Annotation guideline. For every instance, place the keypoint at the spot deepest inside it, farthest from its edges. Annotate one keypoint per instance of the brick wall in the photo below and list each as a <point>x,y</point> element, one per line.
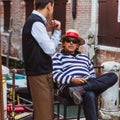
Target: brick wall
<point>82,21</point>
<point>102,56</point>
<point>18,15</point>
<point>82,24</point>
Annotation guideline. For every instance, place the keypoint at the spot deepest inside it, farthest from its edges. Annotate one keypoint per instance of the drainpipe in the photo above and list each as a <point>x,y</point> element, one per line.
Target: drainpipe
<point>74,7</point>
<point>110,97</point>
<point>74,11</point>
<point>9,41</point>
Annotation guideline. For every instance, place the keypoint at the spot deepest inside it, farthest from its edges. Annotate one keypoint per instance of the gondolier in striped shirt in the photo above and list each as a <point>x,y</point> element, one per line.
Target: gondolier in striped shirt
<point>74,73</point>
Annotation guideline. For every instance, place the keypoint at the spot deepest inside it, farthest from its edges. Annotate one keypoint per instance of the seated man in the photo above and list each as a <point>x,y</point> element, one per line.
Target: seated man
<point>75,74</point>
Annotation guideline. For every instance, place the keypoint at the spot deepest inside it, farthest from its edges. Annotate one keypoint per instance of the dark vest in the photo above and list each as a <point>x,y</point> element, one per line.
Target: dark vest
<point>36,61</point>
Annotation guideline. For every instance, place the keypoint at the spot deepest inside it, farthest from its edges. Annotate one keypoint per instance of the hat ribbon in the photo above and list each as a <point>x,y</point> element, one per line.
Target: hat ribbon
<point>72,34</point>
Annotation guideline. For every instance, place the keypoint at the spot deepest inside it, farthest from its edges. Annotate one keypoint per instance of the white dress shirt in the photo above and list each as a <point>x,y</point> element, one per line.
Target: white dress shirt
<point>40,34</point>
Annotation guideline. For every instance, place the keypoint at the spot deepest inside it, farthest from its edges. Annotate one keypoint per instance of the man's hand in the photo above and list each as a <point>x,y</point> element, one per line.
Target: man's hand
<point>56,25</point>
<point>80,81</point>
<point>53,25</point>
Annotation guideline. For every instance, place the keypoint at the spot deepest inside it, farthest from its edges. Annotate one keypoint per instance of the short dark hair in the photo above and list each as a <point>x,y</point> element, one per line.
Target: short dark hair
<point>40,4</point>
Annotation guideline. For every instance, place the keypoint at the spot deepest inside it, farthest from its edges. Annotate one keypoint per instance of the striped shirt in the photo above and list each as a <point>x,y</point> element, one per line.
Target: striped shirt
<point>66,66</point>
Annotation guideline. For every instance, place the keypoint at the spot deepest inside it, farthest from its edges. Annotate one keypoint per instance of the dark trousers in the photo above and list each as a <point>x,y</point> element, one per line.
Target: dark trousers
<point>90,106</point>
<point>93,88</point>
<point>100,84</point>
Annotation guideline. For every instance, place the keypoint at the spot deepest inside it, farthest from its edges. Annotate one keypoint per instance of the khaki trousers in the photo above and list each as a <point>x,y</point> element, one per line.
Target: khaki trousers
<point>42,91</point>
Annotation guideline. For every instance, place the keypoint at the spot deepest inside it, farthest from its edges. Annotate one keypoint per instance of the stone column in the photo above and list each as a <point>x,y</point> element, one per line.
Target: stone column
<point>110,98</point>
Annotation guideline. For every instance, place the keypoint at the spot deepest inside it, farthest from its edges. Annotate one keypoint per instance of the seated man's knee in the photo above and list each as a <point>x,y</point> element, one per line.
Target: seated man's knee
<point>113,76</point>
<point>89,95</point>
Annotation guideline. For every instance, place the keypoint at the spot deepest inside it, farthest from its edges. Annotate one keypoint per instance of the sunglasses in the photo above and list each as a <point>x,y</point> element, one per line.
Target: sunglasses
<point>73,41</point>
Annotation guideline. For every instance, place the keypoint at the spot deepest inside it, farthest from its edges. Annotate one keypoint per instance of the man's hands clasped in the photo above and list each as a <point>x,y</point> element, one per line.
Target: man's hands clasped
<point>80,81</point>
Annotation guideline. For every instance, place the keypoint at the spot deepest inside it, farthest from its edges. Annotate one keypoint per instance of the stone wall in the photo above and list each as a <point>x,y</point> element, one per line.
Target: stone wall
<point>83,17</point>
<point>83,24</point>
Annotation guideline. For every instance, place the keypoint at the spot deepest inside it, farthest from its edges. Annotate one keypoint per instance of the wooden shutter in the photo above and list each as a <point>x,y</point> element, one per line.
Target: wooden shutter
<point>108,26</point>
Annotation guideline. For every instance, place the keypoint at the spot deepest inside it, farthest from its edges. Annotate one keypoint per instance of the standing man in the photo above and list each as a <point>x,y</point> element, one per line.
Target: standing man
<point>37,51</point>
<point>75,74</point>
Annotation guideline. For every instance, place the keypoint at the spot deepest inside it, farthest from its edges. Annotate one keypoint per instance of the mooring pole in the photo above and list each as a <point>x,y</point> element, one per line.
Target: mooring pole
<point>1,86</point>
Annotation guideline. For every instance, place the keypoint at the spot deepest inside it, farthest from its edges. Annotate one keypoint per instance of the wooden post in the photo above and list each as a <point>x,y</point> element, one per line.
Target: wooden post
<point>1,87</point>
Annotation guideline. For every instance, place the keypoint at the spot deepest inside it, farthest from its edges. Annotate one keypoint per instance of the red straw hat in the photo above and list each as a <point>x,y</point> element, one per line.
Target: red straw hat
<point>75,34</point>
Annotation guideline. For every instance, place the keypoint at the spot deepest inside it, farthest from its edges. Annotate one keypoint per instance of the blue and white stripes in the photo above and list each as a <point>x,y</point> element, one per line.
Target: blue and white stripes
<point>66,66</point>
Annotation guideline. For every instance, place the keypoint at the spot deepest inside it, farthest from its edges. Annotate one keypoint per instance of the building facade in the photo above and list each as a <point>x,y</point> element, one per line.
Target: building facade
<point>96,21</point>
